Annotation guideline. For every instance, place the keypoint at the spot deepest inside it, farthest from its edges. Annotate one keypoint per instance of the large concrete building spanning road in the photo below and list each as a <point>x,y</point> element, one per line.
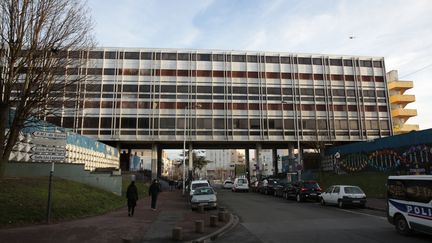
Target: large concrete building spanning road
<point>134,98</point>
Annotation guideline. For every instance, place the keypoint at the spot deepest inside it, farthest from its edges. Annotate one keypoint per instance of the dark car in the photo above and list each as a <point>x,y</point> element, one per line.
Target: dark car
<point>268,186</point>
<point>280,188</point>
<point>304,190</point>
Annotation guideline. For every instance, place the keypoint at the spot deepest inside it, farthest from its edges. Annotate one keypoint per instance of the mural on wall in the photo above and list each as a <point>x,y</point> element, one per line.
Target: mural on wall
<point>412,160</point>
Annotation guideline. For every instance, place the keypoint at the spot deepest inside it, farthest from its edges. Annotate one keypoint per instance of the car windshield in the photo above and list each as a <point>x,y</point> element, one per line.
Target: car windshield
<point>241,181</point>
<point>311,185</point>
<point>228,182</point>
<point>196,185</point>
<point>204,191</point>
<point>353,190</point>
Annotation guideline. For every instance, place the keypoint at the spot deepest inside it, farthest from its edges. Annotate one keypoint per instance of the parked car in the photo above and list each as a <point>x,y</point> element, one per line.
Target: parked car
<point>344,195</point>
<point>240,184</point>
<point>197,184</point>
<point>268,188</point>
<point>280,188</point>
<point>205,196</point>
<point>228,184</point>
<point>304,190</point>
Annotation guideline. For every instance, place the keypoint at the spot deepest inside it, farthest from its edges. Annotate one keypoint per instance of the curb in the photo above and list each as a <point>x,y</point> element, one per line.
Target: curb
<point>231,223</point>
<point>376,209</point>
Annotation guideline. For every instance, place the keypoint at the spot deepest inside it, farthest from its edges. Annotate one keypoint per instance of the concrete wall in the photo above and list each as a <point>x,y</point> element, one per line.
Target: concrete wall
<point>73,172</point>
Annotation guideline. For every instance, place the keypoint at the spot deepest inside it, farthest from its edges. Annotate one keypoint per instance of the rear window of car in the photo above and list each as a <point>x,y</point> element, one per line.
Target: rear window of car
<point>241,181</point>
<point>311,185</point>
<point>352,190</point>
<point>204,191</point>
<point>228,182</point>
<point>196,185</point>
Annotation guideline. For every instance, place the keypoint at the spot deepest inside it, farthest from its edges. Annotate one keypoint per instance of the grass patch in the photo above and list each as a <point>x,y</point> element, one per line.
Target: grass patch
<point>23,201</point>
<point>372,183</point>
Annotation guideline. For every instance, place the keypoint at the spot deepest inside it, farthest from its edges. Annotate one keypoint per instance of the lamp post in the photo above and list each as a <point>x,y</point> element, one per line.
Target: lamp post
<point>297,127</point>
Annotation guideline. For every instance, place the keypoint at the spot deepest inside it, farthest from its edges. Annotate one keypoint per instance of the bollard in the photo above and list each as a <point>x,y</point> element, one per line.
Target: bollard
<point>221,216</point>
<point>201,209</point>
<point>177,233</point>
<point>199,226</point>
<point>213,220</point>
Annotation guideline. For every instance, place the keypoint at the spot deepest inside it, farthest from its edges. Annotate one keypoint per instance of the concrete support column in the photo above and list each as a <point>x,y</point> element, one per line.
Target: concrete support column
<point>247,162</point>
<point>190,167</point>
<point>275,162</point>
<point>291,151</point>
<point>159,161</point>
<point>154,161</point>
<point>258,160</point>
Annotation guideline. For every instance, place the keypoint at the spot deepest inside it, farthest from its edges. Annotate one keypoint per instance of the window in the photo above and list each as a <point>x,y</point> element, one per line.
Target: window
<point>317,61</point>
<point>364,63</point>
<point>204,57</point>
<point>304,60</point>
<point>384,125</point>
<point>183,56</point>
<point>336,189</point>
<point>218,57</point>
<point>105,122</point>
<point>305,91</point>
<point>145,55</point>
<point>335,62</point>
<point>167,123</point>
<point>96,55</point>
<point>254,123</point>
<point>110,55</point>
<point>130,88</point>
<point>377,64</point>
<point>169,56</point>
<point>131,55</point>
<point>252,58</point>
<point>286,60</point>
<point>128,122</point>
<point>238,58</point>
<point>272,59</point>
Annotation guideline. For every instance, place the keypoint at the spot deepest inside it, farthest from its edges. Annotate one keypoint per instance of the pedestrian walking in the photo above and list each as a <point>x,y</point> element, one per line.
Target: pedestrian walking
<point>153,192</point>
<point>132,197</point>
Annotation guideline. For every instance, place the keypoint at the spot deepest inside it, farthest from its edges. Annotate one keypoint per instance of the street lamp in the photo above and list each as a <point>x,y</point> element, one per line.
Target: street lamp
<point>297,127</point>
<point>186,110</point>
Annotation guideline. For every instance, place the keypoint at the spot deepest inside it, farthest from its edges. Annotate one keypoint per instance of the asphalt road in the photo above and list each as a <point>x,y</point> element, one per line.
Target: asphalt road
<point>271,219</point>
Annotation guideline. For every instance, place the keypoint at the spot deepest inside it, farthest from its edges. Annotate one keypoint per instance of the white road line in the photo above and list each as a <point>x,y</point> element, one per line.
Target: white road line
<point>365,214</point>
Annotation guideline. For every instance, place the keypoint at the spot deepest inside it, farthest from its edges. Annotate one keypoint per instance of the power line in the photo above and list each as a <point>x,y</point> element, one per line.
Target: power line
<point>416,71</point>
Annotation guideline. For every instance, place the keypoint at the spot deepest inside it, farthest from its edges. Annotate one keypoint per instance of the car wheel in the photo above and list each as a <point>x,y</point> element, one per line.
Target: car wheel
<point>298,198</point>
<point>340,204</point>
<point>401,225</point>
<point>322,202</point>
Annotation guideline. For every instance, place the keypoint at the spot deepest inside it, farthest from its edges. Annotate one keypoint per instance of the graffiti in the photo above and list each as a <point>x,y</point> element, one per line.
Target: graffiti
<point>412,160</point>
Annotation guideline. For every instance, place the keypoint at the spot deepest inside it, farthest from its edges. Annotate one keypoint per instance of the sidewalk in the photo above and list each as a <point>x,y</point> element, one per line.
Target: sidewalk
<point>145,226</point>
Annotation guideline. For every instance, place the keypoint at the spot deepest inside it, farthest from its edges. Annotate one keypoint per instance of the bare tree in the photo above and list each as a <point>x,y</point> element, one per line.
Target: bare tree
<point>39,42</point>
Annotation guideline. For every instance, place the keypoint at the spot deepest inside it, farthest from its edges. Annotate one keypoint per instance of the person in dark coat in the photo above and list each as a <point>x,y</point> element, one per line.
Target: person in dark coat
<point>132,197</point>
<point>153,192</point>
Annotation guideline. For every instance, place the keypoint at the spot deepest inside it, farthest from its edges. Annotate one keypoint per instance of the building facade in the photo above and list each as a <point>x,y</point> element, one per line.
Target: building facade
<point>398,100</point>
<point>159,95</point>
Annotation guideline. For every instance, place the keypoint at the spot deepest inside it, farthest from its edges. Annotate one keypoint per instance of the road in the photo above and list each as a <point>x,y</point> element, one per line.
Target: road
<point>271,219</point>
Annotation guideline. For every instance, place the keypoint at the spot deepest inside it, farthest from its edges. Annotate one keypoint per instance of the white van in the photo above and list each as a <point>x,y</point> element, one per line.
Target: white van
<point>409,203</point>
<point>240,184</point>
<point>197,184</point>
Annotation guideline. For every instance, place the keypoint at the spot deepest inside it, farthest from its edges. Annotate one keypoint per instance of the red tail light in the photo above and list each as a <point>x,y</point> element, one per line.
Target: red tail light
<point>303,189</point>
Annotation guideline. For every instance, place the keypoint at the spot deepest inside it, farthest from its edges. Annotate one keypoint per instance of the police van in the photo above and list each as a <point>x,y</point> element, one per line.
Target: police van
<point>409,203</point>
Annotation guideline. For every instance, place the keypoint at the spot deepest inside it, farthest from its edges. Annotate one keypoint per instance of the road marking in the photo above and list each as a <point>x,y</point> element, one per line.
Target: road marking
<point>365,214</point>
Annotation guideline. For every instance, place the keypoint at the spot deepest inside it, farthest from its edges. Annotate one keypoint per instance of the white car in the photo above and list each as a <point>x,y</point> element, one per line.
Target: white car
<point>197,184</point>
<point>343,195</point>
<point>204,196</point>
<point>228,184</point>
<point>240,184</point>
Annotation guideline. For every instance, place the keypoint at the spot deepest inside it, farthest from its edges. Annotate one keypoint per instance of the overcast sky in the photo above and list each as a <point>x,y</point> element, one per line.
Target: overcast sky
<point>398,30</point>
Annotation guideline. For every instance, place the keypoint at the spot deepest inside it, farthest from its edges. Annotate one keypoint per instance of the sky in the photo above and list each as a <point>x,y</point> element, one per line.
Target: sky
<point>398,30</point>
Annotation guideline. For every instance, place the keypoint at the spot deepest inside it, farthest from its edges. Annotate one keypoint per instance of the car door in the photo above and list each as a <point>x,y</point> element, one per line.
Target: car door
<point>327,194</point>
<point>335,195</point>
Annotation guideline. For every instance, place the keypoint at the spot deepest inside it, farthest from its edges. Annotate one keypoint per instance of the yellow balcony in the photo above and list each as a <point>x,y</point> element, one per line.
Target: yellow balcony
<point>400,86</point>
<point>404,128</point>
<point>404,112</point>
<point>402,99</point>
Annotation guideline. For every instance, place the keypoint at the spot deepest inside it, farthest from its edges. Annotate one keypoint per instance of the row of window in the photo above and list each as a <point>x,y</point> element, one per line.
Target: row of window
<point>183,89</point>
<point>230,106</point>
<point>220,123</point>
<point>227,74</point>
<point>224,58</point>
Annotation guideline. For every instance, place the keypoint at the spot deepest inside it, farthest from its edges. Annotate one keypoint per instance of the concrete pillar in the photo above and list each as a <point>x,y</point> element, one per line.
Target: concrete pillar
<point>248,170</point>
<point>159,161</point>
<point>291,151</point>
<point>190,167</point>
<point>275,161</point>
<point>154,161</point>
<point>258,160</point>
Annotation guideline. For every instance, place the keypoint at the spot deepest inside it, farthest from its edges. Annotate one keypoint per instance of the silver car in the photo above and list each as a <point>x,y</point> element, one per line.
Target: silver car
<point>204,196</point>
